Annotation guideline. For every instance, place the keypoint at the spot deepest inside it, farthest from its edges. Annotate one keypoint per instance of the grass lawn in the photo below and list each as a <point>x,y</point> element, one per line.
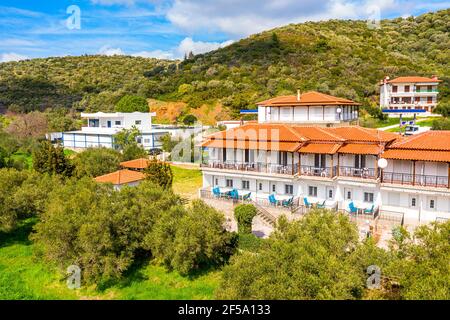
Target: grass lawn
<point>186,182</point>
<point>26,157</point>
<point>22,276</point>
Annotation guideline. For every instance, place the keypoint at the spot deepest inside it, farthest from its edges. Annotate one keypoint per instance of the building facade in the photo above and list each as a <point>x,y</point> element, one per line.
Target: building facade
<point>409,93</point>
<point>332,167</point>
<point>101,128</point>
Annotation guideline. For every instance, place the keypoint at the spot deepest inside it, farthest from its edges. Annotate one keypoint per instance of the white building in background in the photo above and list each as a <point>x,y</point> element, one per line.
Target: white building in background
<point>101,128</point>
<point>296,164</point>
<point>308,108</point>
<point>409,93</point>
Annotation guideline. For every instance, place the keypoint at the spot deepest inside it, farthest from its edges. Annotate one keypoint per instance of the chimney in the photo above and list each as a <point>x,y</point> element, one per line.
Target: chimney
<point>298,94</point>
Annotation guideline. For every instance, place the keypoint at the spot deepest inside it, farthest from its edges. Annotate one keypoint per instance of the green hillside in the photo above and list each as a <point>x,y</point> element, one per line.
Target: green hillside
<point>343,58</point>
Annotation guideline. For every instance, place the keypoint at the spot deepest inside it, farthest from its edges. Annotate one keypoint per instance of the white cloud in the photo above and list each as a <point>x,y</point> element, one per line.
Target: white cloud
<point>242,18</point>
<point>6,57</point>
<point>197,47</point>
<point>158,54</point>
<point>108,51</point>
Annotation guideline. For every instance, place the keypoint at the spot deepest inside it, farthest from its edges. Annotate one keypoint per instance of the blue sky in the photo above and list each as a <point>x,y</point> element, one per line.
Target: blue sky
<point>168,28</point>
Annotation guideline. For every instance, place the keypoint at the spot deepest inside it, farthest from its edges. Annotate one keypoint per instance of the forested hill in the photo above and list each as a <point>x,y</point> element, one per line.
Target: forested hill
<point>343,58</point>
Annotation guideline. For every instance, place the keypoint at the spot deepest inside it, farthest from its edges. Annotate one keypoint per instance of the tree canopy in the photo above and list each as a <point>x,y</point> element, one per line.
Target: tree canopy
<point>130,103</point>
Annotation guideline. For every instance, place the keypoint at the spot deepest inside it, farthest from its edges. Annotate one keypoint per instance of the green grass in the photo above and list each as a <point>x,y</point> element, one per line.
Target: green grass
<point>24,276</point>
<point>186,182</point>
<point>23,156</point>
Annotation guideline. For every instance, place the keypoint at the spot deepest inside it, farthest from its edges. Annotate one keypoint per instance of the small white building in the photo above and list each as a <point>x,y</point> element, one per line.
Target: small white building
<point>101,128</point>
<point>409,94</point>
<point>308,108</point>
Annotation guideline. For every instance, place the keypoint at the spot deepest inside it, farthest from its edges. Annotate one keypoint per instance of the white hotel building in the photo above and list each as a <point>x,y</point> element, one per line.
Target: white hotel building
<point>101,128</point>
<point>288,160</point>
<point>409,93</point>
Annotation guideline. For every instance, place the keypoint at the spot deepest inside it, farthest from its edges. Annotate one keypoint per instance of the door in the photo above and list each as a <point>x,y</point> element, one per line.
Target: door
<point>282,158</point>
<point>246,156</point>
<point>108,123</point>
<point>319,160</point>
<point>224,155</point>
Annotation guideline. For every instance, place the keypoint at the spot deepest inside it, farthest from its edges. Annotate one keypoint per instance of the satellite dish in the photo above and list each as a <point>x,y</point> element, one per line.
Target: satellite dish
<point>382,163</point>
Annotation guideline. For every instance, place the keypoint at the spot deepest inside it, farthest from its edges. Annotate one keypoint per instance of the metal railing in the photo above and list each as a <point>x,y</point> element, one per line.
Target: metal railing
<point>365,173</point>
<point>326,172</point>
<point>415,179</point>
<point>253,166</point>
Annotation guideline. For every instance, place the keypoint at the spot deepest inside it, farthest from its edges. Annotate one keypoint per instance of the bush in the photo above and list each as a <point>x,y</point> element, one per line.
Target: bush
<point>188,240</point>
<point>189,120</point>
<point>160,173</point>
<point>133,151</point>
<point>441,124</point>
<point>244,214</point>
<point>249,242</point>
<point>94,162</point>
<point>51,160</point>
<point>130,103</point>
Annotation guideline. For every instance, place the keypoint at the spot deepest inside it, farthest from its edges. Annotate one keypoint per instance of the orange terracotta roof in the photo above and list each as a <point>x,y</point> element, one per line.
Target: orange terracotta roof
<point>261,132</point>
<point>326,148</point>
<point>420,155</point>
<point>356,133</point>
<point>254,145</point>
<point>429,140</point>
<point>413,79</point>
<point>141,163</point>
<point>307,99</point>
<point>317,134</point>
<point>121,177</point>
<point>360,148</point>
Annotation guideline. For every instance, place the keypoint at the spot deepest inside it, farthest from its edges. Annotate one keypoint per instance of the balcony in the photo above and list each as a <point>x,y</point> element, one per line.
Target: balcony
<point>325,172</point>
<point>363,173</point>
<point>415,179</point>
<point>253,167</point>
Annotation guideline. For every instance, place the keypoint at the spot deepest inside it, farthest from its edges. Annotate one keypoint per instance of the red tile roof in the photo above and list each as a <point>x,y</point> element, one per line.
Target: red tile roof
<point>413,79</point>
<point>254,145</point>
<point>429,140</point>
<point>307,99</point>
<point>360,148</point>
<point>141,163</point>
<point>356,133</point>
<point>323,148</point>
<point>121,177</point>
<point>419,155</point>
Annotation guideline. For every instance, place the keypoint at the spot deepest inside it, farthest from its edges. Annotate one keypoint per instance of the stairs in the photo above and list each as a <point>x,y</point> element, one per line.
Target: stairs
<point>265,215</point>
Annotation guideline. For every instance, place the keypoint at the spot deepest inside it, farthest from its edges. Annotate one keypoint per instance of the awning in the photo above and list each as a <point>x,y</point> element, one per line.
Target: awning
<point>419,155</point>
<point>360,148</point>
<point>254,145</point>
<point>327,148</point>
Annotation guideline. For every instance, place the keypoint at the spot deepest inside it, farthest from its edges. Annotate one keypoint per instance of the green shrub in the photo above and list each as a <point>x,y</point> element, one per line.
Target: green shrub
<point>94,162</point>
<point>249,242</point>
<point>244,214</point>
<point>130,103</point>
<point>160,173</point>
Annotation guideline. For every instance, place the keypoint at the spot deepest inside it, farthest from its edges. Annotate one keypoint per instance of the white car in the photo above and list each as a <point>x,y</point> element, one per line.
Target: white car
<point>415,129</point>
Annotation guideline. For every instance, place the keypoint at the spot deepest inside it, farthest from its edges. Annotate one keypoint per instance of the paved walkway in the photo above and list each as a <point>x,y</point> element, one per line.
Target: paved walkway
<point>396,125</point>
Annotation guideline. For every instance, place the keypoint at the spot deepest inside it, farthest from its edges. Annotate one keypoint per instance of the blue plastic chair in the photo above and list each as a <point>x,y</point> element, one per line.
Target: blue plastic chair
<point>321,205</point>
<point>352,207</point>
<point>307,204</point>
<point>272,200</point>
<point>234,194</point>
<point>369,210</point>
<point>246,197</point>
<point>216,192</point>
<point>288,202</point>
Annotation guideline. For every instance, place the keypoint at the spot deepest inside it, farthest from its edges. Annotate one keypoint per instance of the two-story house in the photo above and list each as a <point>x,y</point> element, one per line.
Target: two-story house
<point>101,128</point>
<point>409,93</point>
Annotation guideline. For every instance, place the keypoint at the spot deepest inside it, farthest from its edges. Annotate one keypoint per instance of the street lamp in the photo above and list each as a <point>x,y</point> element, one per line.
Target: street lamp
<point>339,111</point>
<point>382,163</point>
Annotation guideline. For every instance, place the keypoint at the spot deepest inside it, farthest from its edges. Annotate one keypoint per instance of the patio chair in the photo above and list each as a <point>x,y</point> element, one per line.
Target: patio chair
<point>321,205</point>
<point>272,200</point>
<point>288,203</point>
<point>307,204</point>
<point>216,192</point>
<point>369,211</point>
<point>246,197</point>
<point>233,194</point>
<point>352,207</point>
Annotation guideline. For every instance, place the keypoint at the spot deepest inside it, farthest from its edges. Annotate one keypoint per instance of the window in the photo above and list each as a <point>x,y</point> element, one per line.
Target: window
<point>432,204</point>
<point>348,194</point>
<point>94,123</point>
<point>288,189</point>
<point>368,197</point>
<point>117,123</point>
<point>312,191</point>
<point>217,182</point>
<point>260,186</point>
<point>394,88</point>
<point>274,188</point>
<point>224,155</point>
<point>138,122</point>
<point>330,193</point>
<point>406,88</point>
<point>413,202</point>
<point>139,139</point>
<point>245,184</point>
<point>229,183</point>
<point>360,161</point>
<point>319,161</point>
